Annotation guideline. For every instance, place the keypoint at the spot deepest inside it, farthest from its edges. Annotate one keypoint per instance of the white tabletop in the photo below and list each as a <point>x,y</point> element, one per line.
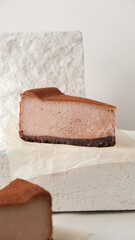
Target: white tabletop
<point>102,226</point>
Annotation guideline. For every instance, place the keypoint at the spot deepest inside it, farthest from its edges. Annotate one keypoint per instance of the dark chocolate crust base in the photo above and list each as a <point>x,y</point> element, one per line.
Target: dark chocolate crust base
<point>95,142</point>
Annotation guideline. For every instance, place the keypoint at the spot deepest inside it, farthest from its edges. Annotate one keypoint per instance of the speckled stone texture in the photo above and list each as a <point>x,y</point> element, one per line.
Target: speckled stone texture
<point>4,168</point>
<point>36,60</point>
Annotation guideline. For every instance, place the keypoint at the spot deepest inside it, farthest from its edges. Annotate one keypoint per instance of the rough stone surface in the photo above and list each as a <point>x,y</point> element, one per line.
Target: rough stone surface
<point>4,168</point>
<point>35,60</point>
<point>32,60</point>
<point>103,187</point>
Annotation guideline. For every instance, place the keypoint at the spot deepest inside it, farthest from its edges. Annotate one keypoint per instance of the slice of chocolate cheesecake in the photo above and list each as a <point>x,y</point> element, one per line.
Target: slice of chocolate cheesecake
<point>25,212</point>
<point>49,116</point>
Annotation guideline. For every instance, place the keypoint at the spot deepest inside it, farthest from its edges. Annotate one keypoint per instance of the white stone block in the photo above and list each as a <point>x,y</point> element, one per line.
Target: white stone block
<point>36,60</point>
<point>105,187</point>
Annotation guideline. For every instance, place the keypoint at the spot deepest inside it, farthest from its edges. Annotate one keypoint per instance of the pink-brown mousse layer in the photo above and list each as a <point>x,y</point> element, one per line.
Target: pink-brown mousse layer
<point>66,119</point>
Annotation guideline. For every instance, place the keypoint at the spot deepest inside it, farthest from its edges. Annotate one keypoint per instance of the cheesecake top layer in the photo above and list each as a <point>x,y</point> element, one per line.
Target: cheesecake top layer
<point>54,94</point>
<point>20,192</point>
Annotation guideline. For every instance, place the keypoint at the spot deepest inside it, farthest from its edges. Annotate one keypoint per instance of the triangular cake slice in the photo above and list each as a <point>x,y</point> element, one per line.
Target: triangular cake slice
<point>49,116</point>
<point>25,212</point>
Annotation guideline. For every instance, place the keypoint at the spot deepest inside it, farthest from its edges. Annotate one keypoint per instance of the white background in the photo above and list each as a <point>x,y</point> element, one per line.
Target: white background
<point>108,28</point>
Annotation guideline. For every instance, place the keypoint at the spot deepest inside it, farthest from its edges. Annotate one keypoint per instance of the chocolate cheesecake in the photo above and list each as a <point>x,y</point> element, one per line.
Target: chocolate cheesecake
<point>49,116</point>
<point>25,212</point>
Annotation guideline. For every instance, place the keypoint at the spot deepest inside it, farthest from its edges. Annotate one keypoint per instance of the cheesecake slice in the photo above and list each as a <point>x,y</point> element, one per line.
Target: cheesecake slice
<point>49,116</point>
<point>25,212</point>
